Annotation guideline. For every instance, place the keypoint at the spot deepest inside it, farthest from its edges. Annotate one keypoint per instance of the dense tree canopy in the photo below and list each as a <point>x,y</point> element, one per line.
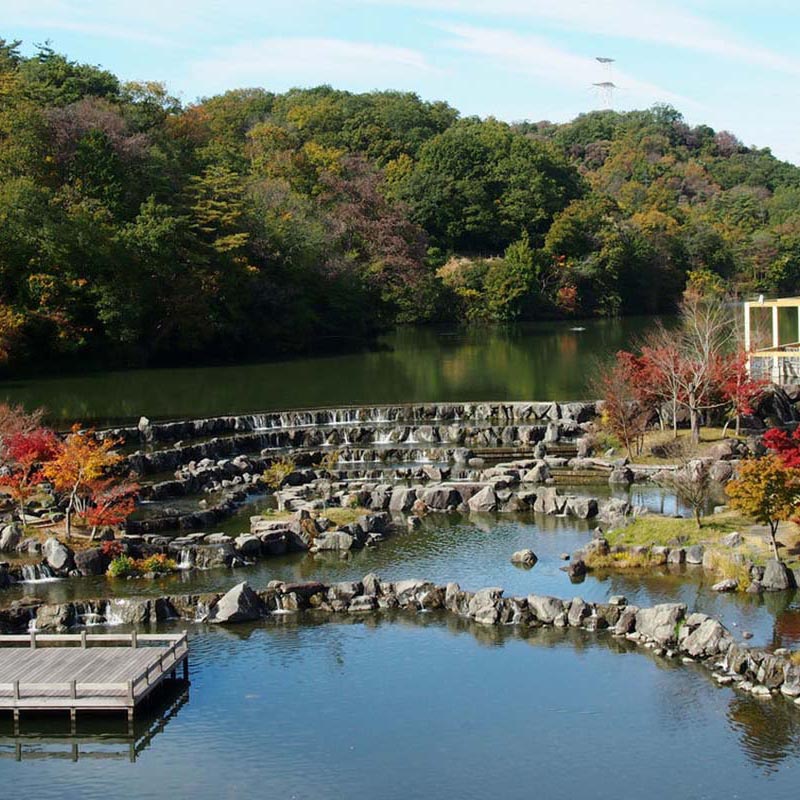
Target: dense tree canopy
<point>135,228</point>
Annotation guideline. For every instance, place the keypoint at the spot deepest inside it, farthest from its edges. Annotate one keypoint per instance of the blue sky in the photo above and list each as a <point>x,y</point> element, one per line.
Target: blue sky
<point>734,65</point>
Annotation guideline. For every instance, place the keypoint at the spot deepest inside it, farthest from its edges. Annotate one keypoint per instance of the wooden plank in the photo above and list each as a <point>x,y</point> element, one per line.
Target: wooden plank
<point>79,675</point>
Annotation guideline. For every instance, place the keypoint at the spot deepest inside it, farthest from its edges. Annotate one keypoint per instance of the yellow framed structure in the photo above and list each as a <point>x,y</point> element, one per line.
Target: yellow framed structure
<point>780,362</point>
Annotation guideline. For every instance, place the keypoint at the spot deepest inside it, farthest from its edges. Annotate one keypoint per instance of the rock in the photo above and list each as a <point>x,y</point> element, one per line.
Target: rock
<point>10,537</point>
<point>413,522</point>
<point>576,569</point>
<point>58,556</point>
<point>526,558</point>
<point>334,540</point>
<point>249,546</point>
<point>484,501</point>
<point>218,538</point>
<point>538,474</point>
<point>777,576</point>
<point>58,618</point>
<point>694,554</point>
<point>676,555</point>
<point>91,561</point>
<point>548,501</point>
<point>440,498</point>
<point>620,476</point>
<point>362,604</point>
<point>127,611</point>
<point>731,540</point>
<point>546,609</point>
<point>710,638</point>
<point>618,600</point>
<point>660,622</point>
<point>791,680</point>
<point>402,499</point>
<point>372,584</point>
<point>626,624</point>
<point>212,556</point>
<point>239,604</point>
<point>582,507</point>
<point>578,612</point>
<point>747,635</point>
<point>727,585</point>
<point>345,590</point>
<point>483,607</point>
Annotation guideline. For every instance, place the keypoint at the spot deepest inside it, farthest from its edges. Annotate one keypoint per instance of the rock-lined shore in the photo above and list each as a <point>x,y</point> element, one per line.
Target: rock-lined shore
<point>668,629</point>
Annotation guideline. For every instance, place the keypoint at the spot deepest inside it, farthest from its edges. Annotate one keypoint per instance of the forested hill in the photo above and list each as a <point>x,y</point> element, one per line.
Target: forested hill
<point>134,228</point>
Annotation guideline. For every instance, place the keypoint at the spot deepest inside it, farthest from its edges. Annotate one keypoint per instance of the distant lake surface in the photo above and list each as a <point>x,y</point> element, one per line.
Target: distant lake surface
<point>538,361</point>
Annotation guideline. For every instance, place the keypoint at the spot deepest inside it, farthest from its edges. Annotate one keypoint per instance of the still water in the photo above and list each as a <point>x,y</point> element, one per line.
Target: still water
<point>473,551</point>
<point>430,707</point>
<point>539,361</point>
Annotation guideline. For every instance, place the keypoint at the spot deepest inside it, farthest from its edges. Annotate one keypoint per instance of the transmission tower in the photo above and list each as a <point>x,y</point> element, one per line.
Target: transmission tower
<point>605,88</point>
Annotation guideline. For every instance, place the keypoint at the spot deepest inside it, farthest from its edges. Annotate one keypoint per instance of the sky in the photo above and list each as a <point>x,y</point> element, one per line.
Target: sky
<point>733,65</point>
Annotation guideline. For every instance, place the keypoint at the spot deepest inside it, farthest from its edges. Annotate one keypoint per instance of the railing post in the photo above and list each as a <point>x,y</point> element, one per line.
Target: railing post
<point>73,689</point>
<point>16,690</point>
<point>83,639</point>
<point>33,638</point>
<point>130,691</point>
<point>134,639</point>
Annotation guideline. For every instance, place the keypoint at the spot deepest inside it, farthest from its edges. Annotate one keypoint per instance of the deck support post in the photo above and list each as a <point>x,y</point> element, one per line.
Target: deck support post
<point>186,668</point>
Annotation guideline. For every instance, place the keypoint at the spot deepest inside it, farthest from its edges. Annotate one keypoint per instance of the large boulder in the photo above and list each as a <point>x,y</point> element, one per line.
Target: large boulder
<point>58,618</point>
<point>484,607</point>
<point>334,540</point>
<point>660,623</point>
<point>248,546</point>
<point>127,611</point>
<point>545,609</point>
<point>402,499</point>
<point>582,507</point>
<point>777,576</point>
<point>710,638</point>
<point>10,537</point>
<point>239,604</point>
<point>484,501</point>
<point>579,610</point>
<point>58,556</point>
<point>91,561</point>
<point>212,556</point>
<point>440,498</point>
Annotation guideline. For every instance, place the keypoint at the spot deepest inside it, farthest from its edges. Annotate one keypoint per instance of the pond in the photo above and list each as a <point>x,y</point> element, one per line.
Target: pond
<point>537,361</point>
<point>475,552</point>
<point>422,706</point>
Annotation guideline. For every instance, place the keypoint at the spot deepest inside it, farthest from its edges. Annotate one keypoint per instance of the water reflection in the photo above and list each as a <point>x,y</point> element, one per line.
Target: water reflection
<point>92,737</point>
<point>537,361</point>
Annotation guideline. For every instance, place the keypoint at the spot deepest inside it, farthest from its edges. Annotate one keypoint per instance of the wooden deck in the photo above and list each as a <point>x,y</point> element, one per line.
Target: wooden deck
<point>86,672</point>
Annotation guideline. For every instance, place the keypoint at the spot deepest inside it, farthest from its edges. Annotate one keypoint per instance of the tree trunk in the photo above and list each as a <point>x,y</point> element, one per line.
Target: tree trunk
<point>773,532</point>
<point>694,420</point>
<point>674,417</point>
<point>697,517</point>
<point>69,522</point>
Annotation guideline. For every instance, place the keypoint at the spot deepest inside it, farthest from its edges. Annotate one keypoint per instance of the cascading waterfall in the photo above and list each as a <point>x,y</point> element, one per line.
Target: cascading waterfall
<point>186,558</point>
<point>112,617</point>
<point>38,573</point>
<point>201,612</point>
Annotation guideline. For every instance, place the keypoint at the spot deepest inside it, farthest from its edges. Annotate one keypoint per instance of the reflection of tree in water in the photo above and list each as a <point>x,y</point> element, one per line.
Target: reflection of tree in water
<point>769,730</point>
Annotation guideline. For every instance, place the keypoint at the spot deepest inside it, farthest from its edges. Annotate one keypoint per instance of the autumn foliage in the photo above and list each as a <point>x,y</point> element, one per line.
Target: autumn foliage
<point>767,490</point>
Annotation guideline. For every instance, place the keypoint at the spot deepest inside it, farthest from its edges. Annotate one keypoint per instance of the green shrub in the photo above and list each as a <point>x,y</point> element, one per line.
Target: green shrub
<point>159,563</point>
<point>277,472</point>
<point>121,567</point>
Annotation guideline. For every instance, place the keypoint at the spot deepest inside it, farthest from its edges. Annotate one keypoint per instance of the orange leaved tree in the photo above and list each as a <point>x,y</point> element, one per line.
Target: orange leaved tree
<point>81,460</point>
<point>766,490</point>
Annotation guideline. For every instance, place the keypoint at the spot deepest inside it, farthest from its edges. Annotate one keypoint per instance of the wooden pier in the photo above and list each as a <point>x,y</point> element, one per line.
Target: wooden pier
<point>86,672</point>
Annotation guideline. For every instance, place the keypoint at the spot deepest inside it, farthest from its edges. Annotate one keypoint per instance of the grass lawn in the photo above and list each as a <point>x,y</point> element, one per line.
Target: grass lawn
<point>684,449</point>
<point>339,516</point>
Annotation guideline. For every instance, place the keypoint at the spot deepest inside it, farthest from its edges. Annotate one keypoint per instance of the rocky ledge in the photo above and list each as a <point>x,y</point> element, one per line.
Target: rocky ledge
<point>668,629</point>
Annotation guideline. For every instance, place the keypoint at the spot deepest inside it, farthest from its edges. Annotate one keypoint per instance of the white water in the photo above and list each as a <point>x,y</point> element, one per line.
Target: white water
<point>38,573</point>
<point>111,616</point>
<point>186,558</point>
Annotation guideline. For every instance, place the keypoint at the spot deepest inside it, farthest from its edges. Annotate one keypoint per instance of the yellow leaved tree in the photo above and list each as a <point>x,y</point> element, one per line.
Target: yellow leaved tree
<point>81,460</point>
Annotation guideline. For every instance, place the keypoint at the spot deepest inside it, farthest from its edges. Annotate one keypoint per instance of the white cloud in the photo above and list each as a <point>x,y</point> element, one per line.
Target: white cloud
<point>536,57</point>
<point>301,60</point>
<point>664,23</point>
